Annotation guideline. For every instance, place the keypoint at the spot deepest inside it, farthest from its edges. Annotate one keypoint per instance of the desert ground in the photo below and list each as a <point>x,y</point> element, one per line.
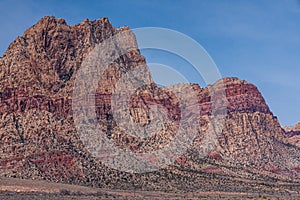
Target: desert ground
<point>12,188</point>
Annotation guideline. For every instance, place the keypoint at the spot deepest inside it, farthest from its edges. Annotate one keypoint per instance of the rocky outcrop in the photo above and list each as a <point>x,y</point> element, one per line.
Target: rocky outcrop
<point>241,97</point>
<point>293,134</point>
<point>292,128</point>
<point>251,137</point>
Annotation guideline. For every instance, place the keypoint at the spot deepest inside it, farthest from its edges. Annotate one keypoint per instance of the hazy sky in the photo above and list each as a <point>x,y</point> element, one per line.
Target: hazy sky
<point>257,40</point>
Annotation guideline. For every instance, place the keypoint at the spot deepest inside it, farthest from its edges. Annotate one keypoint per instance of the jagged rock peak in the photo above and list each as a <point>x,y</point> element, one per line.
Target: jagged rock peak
<point>51,22</point>
<point>51,51</point>
<point>231,80</point>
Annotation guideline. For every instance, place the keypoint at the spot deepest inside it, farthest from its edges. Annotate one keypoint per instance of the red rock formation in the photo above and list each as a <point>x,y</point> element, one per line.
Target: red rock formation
<point>241,97</point>
<point>39,139</point>
<point>15,100</point>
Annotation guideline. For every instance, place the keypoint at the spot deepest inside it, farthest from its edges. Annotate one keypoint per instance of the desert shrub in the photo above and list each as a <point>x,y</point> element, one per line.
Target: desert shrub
<point>65,192</point>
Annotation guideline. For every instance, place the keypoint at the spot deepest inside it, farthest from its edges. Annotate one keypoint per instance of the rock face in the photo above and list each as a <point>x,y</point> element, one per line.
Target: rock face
<point>39,139</point>
<point>252,137</point>
<point>292,128</point>
<point>293,134</point>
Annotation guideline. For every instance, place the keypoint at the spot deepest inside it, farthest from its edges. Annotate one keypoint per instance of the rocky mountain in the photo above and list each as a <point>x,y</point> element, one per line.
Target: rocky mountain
<point>39,139</point>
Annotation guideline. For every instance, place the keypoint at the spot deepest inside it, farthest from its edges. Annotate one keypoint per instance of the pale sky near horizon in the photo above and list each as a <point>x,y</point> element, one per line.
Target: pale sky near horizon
<point>258,40</point>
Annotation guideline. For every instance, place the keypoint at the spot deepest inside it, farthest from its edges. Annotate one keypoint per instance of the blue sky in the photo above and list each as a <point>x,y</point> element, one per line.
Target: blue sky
<point>257,40</point>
